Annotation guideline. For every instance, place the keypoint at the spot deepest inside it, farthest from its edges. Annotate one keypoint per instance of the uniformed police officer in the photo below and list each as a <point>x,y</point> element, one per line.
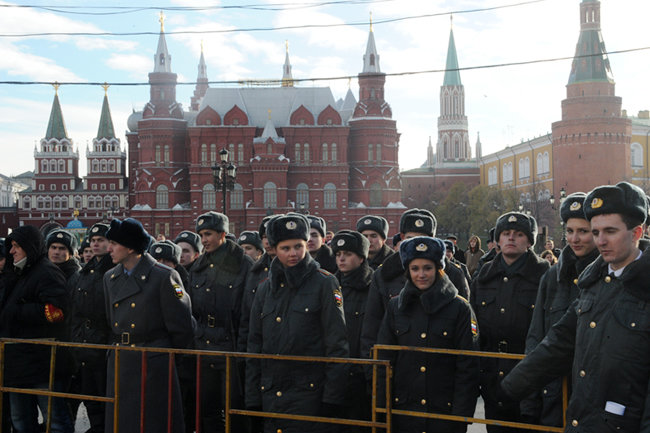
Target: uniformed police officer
<point>375,228</point>
<point>217,281</point>
<point>297,311</point>
<point>169,254</point>
<point>450,250</point>
<point>146,306</point>
<point>251,242</point>
<point>429,313</point>
<point>316,245</point>
<point>191,248</point>
<point>503,297</point>
<point>605,334</point>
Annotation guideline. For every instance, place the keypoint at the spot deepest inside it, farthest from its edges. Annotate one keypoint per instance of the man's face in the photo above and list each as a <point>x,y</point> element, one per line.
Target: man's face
<point>119,253</point>
<point>549,245</point>
<point>449,254</point>
<point>251,251</point>
<point>329,236</point>
<point>376,242</point>
<point>212,239</point>
<point>348,261</point>
<point>513,243</point>
<point>315,241</point>
<point>188,254</point>
<point>579,237</point>
<point>291,252</point>
<point>88,253</point>
<point>616,244</point>
<point>99,245</point>
<point>17,251</point>
<point>58,253</point>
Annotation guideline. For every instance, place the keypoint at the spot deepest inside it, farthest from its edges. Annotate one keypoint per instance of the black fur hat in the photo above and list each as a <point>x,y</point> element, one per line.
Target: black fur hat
<point>212,220</point>
<point>374,223</point>
<point>283,227</point>
<point>317,223</point>
<point>166,250</point>
<point>517,221</point>
<point>98,229</point>
<point>573,206</point>
<point>62,237</point>
<point>622,198</point>
<point>129,233</point>
<point>422,247</point>
<point>449,246</point>
<point>265,221</point>
<point>349,240</point>
<point>252,238</point>
<point>191,238</point>
<point>84,244</point>
<point>418,221</point>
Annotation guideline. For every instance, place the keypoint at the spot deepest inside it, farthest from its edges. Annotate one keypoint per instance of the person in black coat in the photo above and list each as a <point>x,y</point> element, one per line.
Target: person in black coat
<point>298,310</point>
<point>354,275</point>
<point>375,228</point>
<point>316,245</point>
<point>429,313</point>
<point>191,248</point>
<point>35,307</point>
<point>558,289</point>
<point>503,297</point>
<point>169,254</point>
<point>604,336</point>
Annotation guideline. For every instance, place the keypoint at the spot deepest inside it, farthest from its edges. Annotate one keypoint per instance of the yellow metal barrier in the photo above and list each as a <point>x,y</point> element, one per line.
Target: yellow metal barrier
<point>375,363</point>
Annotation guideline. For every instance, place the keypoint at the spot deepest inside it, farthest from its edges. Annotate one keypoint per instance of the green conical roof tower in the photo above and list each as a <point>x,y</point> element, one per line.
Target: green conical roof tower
<point>56,125</point>
<point>105,121</point>
<point>452,74</point>
<point>590,62</point>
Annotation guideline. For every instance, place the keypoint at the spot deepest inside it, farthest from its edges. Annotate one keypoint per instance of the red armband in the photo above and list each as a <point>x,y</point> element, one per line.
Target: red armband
<point>53,314</point>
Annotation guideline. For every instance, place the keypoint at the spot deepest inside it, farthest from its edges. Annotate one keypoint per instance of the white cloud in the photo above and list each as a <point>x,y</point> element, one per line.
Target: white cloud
<point>17,62</point>
<point>138,66</point>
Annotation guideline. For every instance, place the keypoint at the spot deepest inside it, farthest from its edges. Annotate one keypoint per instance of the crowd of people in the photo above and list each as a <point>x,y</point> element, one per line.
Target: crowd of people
<point>293,288</point>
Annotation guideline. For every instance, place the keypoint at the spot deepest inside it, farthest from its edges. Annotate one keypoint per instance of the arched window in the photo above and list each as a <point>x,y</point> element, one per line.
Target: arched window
<point>269,147</point>
<point>329,199</point>
<point>166,154</point>
<point>231,152</point>
<point>302,195</point>
<point>237,197</point>
<point>39,203</point>
<point>540,163</point>
<point>77,202</point>
<point>162,197</point>
<point>111,165</point>
<point>44,166</point>
<point>270,195</point>
<point>333,153</point>
<point>48,202</point>
<point>240,153</point>
<point>456,147</point>
<point>27,203</point>
<point>636,155</point>
<point>306,155</point>
<point>56,203</point>
<point>157,157</point>
<point>103,165</point>
<point>209,197</point>
<point>370,159</point>
<point>213,153</point>
<point>204,154</point>
<point>325,153</point>
<point>61,166</point>
<point>547,168</point>
<point>378,152</point>
<point>297,154</point>
<point>375,195</point>
<point>52,166</point>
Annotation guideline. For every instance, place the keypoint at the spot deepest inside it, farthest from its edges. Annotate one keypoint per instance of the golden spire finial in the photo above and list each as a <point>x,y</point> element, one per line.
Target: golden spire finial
<point>105,86</point>
<point>371,21</point>
<point>162,22</point>
<point>349,82</point>
<point>286,45</point>
<point>451,19</point>
<point>56,86</point>
<point>269,114</point>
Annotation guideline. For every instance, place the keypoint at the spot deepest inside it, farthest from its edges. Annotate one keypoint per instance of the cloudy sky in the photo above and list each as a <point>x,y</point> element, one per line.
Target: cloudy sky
<point>505,104</point>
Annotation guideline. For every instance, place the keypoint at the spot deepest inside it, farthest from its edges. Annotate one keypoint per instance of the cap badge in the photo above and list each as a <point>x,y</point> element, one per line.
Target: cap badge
<point>59,235</point>
<point>184,235</point>
<point>419,223</point>
<point>341,242</point>
<point>201,222</point>
<point>95,229</point>
<point>158,250</point>
<point>421,248</point>
<point>367,222</point>
<point>596,203</point>
<point>512,219</point>
<point>242,238</point>
<point>291,225</point>
<point>575,206</point>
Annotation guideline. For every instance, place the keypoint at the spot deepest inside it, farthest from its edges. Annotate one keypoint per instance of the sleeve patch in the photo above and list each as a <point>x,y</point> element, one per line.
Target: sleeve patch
<point>474,328</point>
<point>338,297</point>
<point>53,314</point>
<point>178,290</point>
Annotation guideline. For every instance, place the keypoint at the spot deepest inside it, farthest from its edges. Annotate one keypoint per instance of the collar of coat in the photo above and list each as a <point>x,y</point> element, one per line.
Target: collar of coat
<point>324,253</point>
<point>263,262</point>
<point>102,265</point>
<point>139,274</point>
<point>359,279</point>
<point>531,271</point>
<point>569,266</point>
<point>634,277</point>
<point>383,253</point>
<point>294,276</point>
<point>391,268</point>
<point>433,299</point>
<point>230,261</point>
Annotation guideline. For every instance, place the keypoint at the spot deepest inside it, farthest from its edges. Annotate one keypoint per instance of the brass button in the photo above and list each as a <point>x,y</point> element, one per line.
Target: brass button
<point>532,306</point>
<point>483,303</point>
<point>607,280</point>
<point>449,403</point>
<point>396,400</point>
<point>278,319</point>
<point>582,373</point>
<point>575,281</point>
<point>117,304</point>
<point>278,430</point>
<point>266,269</point>
<point>501,374</point>
<point>92,271</point>
<point>207,289</point>
<point>306,310</point>
<point>132,325</point>
<point>592,325</point>
<point>262,387</point>
<point>83,364</point>
<point>502,310</point>
<point>574,423</point>
<point>279,393</point>
<point>423,369</point>
<point>423,335</point>
<point>212,265</point>
<point>444,333</point>
<point>423,402</point>
<point>311,385</point>
<point>545,391</point>
<point>632,324</point>
<point>132,304</point>
<point>115,324</point>
<point>505,279</point>
<point>207,341</point>
<point>281,284</point>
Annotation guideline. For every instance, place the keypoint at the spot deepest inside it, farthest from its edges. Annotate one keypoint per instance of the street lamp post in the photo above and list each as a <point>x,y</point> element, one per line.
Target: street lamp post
<point>223,175</point>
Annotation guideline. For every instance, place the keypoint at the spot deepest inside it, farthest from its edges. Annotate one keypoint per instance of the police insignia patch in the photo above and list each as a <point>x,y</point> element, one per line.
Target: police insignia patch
<point>178,290</point>
<point>575,206</point>
<point>421,247</point>
<point>95,229</point>
<point>291,225</point>
<point>512,219</point>
<point>338,297</point>
<point>184,235</point>
<point>419,223</point>
<point>596,203</point>
<point>59,235</point>
<point>367,222</point>
<point>341,242</point>
<point>158,250</point>
<point>474,328</point>
<point>242,238</point>
<point>201,222</point>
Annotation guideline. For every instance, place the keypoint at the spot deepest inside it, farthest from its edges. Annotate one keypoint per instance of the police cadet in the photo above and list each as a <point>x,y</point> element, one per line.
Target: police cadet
<point>169,254</point>
<point>146,307</point>
<point>605,334</point>
<point>388,280</point>
<point>429,313</point>
<point>316,245</point>
<point>375,228</point>
<point>493,249</point>
<point>503,297</point>
<point>450,250</point>
<point>85,252</point>
<point>298,310</point>
<point>558,289</point>
<point>61,246</point>
<point>354,275</point>
<point>88,324</point>
<point>251,242</point>
<point>191,248</point>
<point>217,281</point>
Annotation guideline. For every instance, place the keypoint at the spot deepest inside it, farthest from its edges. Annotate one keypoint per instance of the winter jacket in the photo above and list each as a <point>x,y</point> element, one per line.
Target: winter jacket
<point>472,259</point>
<point>382,255</point>
<point>326,259</point>
<point>259,272</point>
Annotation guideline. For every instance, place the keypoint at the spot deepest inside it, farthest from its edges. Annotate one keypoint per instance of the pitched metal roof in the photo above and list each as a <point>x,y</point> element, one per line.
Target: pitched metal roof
<point>56,125</point>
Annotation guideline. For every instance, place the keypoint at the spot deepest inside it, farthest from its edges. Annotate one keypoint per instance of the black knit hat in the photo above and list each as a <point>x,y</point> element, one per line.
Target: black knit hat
<point>212,220</point>
<point>98,229</point>
<point>129,233</point>
<point>252,238</point>
<point>449,246</point>
<point>422,247</point>
<point>573,206</point>
<point>63,237</point>
<point>166,250</point>
<point>317,223</point>
<point>190,238</point>
<point>374,223</point>
<point>623,198</point>
<point>30,239</point>
<point>349,240</point>
<point>284,227</point>
<point>418,221</point>
<point>517,221</point>
<point>265,221</point>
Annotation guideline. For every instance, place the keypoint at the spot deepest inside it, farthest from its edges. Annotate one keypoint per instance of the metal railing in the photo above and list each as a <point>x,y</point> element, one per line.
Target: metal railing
<point>374,423</point>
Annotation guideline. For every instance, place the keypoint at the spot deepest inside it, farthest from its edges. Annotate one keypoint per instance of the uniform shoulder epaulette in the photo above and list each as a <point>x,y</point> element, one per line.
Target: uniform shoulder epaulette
<point>462,299</point>
<point>457,265</point>
<point>324,272</point>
